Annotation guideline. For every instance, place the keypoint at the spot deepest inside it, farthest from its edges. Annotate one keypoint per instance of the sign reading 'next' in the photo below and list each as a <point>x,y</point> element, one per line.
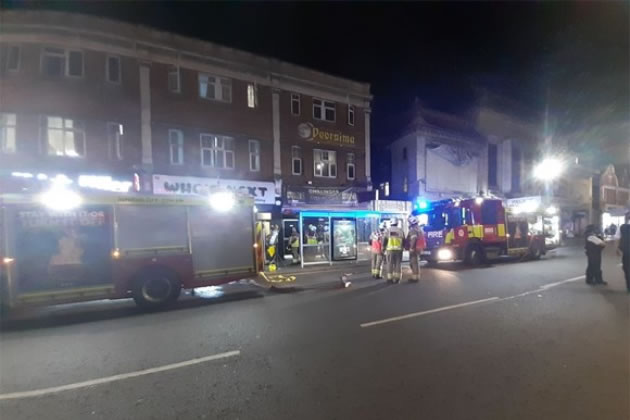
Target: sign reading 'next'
<point>262,192</point>
<point>309,132</point>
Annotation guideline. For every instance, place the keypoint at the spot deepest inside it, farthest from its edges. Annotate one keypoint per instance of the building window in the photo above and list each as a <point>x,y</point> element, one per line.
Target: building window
<point>492,165</point>
<point>350,115</point>
<point>13,58</point>
<point>405,185</point>
<point>216,88</point>
<point>176,146</point>
<point>325,163</point>
<point>254,155</point>
<point>174,82</point>
<point>385,188</point>
<point>324,110</point>
<point>115,140</point>
<point>350,168</point>
<point>252,95</point>
<point>64,137</point>
<point>295,104</point>
<point>112,70</point>
<point>404,153</point>
<point>217,151</point>
<point>57,62</point>
<point>296,160</point>
<point>7,133</point>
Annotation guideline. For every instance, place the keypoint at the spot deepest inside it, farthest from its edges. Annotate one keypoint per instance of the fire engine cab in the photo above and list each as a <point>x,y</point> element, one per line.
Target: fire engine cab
<point>475,229</point>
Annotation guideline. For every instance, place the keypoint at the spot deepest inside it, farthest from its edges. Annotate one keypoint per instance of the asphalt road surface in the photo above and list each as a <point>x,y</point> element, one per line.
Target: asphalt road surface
<point>522,340</point>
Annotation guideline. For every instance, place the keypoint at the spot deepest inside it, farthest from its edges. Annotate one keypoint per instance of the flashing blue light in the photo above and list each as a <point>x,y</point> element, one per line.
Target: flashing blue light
<point>423,204</point>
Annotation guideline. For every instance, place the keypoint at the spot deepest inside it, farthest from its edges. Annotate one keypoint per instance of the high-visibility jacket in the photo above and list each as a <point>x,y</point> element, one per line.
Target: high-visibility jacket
<point>415,239</point>
<point>377,242</point>
<point>294,241</point>
<point>311,240</point>
<point>394,239</point>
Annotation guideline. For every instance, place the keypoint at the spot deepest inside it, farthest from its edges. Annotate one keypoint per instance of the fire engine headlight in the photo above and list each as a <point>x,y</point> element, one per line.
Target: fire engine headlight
<point>445,254</point>
<point>61,199</point>
<point>7,260</point>
<point>222,201</point>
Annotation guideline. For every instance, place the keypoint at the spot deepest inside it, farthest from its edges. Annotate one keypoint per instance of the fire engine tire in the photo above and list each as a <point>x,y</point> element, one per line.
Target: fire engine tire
<point>474,255</point>
<point>536,251</point>
<point>156,287</point>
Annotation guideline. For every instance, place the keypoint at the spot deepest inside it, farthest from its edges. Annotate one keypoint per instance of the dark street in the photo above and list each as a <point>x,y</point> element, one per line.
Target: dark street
<point>513,340</point>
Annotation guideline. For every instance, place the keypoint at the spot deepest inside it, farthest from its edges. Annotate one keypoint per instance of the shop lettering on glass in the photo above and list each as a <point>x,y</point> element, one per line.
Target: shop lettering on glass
<point>309,132</point>
<point>41,218</point>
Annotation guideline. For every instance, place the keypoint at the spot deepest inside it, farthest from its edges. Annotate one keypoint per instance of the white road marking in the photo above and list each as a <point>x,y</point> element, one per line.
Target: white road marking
<point>430,311</point>
<point>474,302</point>
<point>114,378</point>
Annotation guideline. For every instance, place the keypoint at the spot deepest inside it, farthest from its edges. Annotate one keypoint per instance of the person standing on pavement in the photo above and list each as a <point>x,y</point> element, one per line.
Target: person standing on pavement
<point>594,245</point>
<point>294,243</point>
<point>376,243</point>
<point>623,248</point>
<point>393,243</point>
<point>416,243</point>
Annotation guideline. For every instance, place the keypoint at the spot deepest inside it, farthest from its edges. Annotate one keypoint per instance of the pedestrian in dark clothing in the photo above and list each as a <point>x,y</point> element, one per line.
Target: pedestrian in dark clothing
<point>624,249</point>
<point>594,245</point>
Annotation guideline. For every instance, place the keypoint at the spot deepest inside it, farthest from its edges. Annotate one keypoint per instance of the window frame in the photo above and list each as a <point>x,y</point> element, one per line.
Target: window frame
<point>68,53</point>
<point>297,158</point>
<point>63,129</point>
<point>255,155</point>
<point>107,71</point>
<point>115,144</point>
<point>350,159</point>
<point>46,52</point>
<point>296,98</point>
<point>252,102</point>
<point>325,105</point>
<point>4,128</point>
<point>8,59</point>
<point>330,163</point>
<point>218,84</point>
<point>215,149</point>
<point>180,146</point>
<point>173,69</point>
<point>350,113</point>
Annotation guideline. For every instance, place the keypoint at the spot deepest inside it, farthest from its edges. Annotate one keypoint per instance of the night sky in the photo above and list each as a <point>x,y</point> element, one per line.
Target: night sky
<point>574,55</point>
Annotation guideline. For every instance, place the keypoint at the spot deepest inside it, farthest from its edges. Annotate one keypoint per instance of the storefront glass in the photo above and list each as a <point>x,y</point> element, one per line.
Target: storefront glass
<point>344,244</point>
<point>316,240</point>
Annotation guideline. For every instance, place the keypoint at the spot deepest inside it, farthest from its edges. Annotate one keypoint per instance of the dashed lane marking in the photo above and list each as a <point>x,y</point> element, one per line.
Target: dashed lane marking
<point>474,302</point>
<point>114,378</point>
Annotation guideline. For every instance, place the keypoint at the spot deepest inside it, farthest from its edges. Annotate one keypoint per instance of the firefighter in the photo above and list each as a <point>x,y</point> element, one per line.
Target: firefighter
<point>594,245</point>
<point>376,242</point>
<point>294,243</point>
<point>393,243</point>
<point>416,243</point>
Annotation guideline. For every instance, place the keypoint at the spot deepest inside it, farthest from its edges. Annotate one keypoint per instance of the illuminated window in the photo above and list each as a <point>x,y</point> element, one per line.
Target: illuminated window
<point>7,133</point>
<point>174,83</point>
<point>296,160</point>
<point>176,146</point>
<point>350,115</point>
<point>115,135</point>
<point>324,110</point>
<point>252,95</point>
<point>64,137</point>
<point>325,163</point>
<point>216,88</point>
<point>295,104</point>
<point>350,168</point>
<point>217,151</point>
<point>254,155</point>
<point>112,69</point>
<point>405,184</point>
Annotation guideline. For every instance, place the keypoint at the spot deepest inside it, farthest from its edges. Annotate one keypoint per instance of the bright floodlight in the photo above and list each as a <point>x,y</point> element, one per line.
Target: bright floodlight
<point>222,201</point>
<point>548,169</point>
<point>551,210</point>
<point>445,254</point>
<point>61,199</point>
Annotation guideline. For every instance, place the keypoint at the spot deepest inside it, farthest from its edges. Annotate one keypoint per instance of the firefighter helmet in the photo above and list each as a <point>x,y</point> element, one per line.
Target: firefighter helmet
<point>413,220</point>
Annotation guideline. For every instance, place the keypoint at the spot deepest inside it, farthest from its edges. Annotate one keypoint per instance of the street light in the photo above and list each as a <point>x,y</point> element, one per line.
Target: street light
<point>549,169</point>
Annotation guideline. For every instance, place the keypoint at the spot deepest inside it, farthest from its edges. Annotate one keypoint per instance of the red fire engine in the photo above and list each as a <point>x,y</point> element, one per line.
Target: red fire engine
<point>476,229</point>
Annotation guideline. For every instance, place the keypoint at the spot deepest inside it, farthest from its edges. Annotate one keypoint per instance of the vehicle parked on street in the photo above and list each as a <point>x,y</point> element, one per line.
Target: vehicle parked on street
<point>476,229</point>
<point>65,248</point>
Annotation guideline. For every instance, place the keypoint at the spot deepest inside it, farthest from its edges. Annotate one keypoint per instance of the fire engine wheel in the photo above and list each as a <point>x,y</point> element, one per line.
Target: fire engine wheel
<point>156,288</point>
<point>536,251</point>
<point>474,255</point>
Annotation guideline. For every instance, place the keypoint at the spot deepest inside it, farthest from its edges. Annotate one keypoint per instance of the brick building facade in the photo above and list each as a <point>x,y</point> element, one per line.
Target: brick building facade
<point>89,96</point>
